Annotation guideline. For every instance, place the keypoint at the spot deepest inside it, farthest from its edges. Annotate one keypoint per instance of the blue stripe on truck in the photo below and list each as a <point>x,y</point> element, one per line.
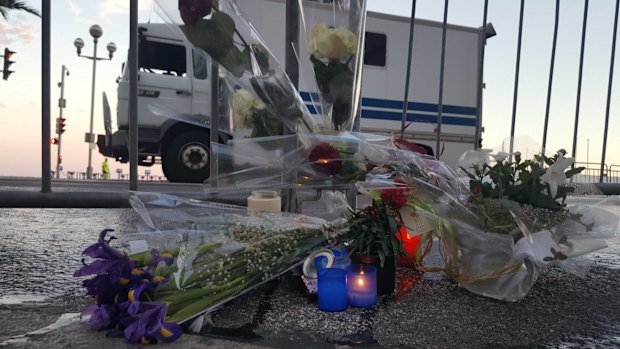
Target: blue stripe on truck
<point>398,105</point>
<point>415,117</point>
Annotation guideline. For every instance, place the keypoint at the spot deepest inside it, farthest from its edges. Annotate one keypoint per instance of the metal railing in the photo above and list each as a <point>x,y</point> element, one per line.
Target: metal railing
<point>607,174</point>
<point>592,173</point>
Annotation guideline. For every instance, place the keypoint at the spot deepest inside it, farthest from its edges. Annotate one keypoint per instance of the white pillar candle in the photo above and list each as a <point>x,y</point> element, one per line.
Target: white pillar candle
<point>265,200</point>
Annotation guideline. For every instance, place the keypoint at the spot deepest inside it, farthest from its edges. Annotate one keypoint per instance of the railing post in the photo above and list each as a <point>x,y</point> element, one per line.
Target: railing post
<point>550,84</point>
<point>609,86</point>
<point>408,75</point>
<point>441,76</point>
<point>516,87</point>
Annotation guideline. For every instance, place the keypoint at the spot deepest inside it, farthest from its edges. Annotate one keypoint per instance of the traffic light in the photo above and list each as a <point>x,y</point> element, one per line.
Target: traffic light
<point>54,140</point>
<point>60,125</point>
<point>7,63</point>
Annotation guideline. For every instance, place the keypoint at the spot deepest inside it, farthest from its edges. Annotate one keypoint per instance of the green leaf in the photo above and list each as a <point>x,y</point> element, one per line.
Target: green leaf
<point>382,258</point>
<point>384,247</point>
<point>574,171</point>
<point>392,225</point>
<point>544,201</point>
<point>396,245</point>
<point>548,259</point>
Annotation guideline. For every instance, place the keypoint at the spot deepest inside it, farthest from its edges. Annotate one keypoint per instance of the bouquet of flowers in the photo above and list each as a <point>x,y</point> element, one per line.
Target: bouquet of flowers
<point>250,112</point>
<point>514,223</point>
<point>220,30</point>
<point>314,161</point>
<point>376,229</point>
<point>336,54</point>
<point>192,258</point>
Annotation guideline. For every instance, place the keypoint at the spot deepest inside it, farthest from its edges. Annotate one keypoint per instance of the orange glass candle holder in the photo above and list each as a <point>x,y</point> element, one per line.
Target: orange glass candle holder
<point>410,244</point>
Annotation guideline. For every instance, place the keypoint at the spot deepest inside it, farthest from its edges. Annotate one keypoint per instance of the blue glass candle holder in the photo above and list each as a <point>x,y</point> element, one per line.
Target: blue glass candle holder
<point>332,289</point>
<point>362,285</point>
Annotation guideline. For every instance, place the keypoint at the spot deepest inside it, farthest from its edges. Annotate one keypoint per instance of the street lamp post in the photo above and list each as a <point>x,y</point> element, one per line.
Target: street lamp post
<point>96,32</point>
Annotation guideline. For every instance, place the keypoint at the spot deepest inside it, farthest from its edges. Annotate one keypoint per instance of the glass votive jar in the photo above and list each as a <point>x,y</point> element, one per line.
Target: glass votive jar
<point>264,200</point>
<point>332,289</point>
<point>362,285</point>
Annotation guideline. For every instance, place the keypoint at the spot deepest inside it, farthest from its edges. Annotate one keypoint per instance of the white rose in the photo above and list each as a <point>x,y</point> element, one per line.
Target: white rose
<point>349,39</point>
<point>242,104</point>
<point>316,35</point>
<point>327,43</point>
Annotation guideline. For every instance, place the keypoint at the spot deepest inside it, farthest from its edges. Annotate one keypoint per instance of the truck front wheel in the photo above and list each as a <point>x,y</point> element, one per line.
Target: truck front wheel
<point>185,158</point>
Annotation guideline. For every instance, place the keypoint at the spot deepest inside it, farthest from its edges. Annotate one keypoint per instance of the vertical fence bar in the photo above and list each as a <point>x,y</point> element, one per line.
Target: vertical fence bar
<point>516,88</point>
<point>609,86</point>
<point>441,74</point>
<point>580,75</point>
<point>133,95</point>
<point>291,65</point>
<point>46,108</point>
<point>551,68</point>
<point>408,75</point>
<point>483,43</point>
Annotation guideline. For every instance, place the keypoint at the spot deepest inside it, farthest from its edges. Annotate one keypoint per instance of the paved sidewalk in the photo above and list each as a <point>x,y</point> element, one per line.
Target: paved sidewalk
<point>429,311</point>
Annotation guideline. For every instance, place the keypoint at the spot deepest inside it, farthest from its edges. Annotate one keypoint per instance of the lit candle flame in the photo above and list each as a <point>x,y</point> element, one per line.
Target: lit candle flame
<point>360,281</point>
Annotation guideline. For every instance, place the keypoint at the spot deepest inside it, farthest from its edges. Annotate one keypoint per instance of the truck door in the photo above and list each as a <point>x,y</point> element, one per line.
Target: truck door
<point>201,84</point>
<point>165,85</point>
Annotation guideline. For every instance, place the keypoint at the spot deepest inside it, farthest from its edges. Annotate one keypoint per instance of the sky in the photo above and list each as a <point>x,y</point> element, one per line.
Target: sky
<point>20,107</point>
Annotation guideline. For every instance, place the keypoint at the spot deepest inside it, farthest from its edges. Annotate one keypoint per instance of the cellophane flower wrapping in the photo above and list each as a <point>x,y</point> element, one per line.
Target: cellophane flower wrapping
<point>313,161</point>
<point>335,50</point>
<point>495,247</point>
<point>496,240</point>
<point>259,92</point>
<point>220,251</point>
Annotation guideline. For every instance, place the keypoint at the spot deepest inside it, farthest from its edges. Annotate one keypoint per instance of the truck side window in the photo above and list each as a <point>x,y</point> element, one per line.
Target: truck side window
<point>375,49</point>
<point>200,64</point>
<point>161,58</point>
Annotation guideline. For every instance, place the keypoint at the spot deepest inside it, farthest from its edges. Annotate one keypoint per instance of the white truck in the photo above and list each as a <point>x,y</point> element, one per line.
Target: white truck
<point>174,75</point>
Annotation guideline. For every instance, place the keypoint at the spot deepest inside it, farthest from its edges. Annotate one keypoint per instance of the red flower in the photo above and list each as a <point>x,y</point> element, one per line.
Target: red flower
<point>326,158</point>
<point>371,212</point>
<point>193,10</point>
<point>395,197</point>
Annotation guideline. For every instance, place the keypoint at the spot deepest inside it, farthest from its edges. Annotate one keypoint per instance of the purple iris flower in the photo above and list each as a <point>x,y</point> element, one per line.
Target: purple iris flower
<point>117,265</point>
<point>150,325</point>
<point>104,290</point>
<point>100,317</point>
<point>193,10</point>
<point>134,296</point>
<point>117,287</point>
<point>160,258</point>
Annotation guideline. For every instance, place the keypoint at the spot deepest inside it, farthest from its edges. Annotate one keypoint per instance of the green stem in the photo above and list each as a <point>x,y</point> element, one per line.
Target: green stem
<point>203,304</point>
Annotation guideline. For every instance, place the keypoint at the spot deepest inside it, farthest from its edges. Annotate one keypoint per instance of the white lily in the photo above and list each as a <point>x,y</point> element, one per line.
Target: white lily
<point>501,156</point>
<point>555,175</point>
